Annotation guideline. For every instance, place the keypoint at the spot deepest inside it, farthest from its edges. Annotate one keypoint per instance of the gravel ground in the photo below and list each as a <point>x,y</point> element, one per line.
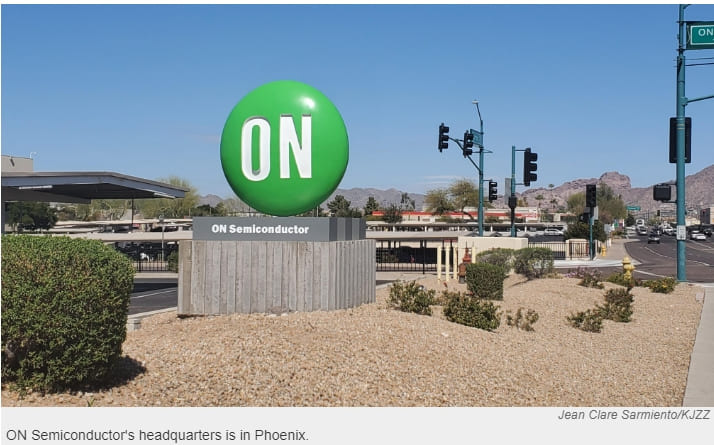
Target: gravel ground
<point>375,356</point>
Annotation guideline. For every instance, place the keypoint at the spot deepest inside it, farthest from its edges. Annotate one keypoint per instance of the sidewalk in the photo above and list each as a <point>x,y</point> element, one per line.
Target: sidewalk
<point>700,381</point>
<point>613,257</point>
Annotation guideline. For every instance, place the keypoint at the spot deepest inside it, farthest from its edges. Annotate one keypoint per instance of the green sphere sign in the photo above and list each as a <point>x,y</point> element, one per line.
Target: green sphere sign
<point>284,148</point>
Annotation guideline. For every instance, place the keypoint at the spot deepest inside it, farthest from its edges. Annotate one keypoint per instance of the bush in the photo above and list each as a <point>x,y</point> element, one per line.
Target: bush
<point>485,280</point>
<point>498,257</point>
<point>172,261</point>
<point>521,321</point>
<point>534,262</point>
<point>618,305</point>
<point>663,286</point>
<point>588,321</point>
<point>619,278</point>
<point>64,311</point>
<point>591,279</point>
<point>470,311</point>
<point>411,297</point>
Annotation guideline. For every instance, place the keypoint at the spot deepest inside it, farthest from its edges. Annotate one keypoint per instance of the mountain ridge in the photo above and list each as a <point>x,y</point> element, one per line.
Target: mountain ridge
<point>699,190</point>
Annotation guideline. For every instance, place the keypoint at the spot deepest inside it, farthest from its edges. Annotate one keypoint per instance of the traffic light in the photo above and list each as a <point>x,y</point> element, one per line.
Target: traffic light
<point>662,192</point>
<point>529,166</point>
<point>492,191</point>
<point>584,217</point>
<point>673,140</point>
<point>468,143</point>
<point>591,196</point>
<point>443,137</point>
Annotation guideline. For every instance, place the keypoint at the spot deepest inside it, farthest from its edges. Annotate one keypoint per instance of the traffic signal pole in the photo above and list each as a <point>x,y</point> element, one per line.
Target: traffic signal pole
<point>686,41</point>
<point>681,222</point>
<point>511,202</point>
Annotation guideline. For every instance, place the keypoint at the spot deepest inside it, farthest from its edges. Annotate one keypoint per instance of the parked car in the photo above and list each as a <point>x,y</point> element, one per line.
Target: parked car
<point>551,231</point>
<point>697,235</point>
<point>653,238</point>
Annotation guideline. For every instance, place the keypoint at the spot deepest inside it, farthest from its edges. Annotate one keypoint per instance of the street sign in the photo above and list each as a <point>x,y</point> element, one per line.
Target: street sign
<point>633,208</point>
<point>681,232</point>
<point>478,137</point>
<point>700,35</point>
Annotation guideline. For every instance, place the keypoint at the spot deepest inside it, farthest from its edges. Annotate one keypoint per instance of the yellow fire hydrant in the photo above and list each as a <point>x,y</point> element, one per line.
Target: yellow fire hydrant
<point>627,268</point>
<point>603,250</point>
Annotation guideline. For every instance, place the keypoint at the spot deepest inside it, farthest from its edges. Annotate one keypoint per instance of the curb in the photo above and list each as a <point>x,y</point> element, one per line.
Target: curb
<point>133,322</point>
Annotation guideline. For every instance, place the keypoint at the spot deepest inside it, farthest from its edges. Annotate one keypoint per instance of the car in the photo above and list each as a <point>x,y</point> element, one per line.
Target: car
<point>551,231</point>
<point>697,235</point>
<point>641,230</point>
<point>669,231</point>
<point>653,238</point>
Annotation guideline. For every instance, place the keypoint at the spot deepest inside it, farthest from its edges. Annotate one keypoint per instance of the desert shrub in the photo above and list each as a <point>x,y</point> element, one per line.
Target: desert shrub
<point>534,262</point>
<point>588,321</point>
<point>663,286</point>
<point>618,305</point>
<point>521,321</point>
<point>619,278</point>
<point>64,311</point>
<point>591,279</point>
<point>498,257</point>
<point>485,280</point>
<point>411,297</point>
<point>172,261</point>
<point>471,311</point>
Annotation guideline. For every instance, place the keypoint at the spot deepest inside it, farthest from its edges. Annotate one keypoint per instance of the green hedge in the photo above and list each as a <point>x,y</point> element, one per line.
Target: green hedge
<point>485,280</point>
<point>64,311</point>
<point>499,257</point>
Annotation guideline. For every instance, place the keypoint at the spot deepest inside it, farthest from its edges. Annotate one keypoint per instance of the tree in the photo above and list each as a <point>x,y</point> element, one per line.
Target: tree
<point>407,203</point>
<point>437,201</point>
<point>392,214</point>
<point>31,215</point>
<point>630,220</point>
<point>610,207</point>
<point>576,203</point>
<point>170,208</point>
<point>463,193</point>
<point>340,207</point>
<point>371,206</point>
<point>581,230</point>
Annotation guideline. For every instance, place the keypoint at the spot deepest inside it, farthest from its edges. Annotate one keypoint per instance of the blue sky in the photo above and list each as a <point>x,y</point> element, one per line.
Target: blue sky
<point>145,90</point>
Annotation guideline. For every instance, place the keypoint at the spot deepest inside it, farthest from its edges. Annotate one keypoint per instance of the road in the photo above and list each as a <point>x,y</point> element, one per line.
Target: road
<point>661,259</point>
<point>151,294</point>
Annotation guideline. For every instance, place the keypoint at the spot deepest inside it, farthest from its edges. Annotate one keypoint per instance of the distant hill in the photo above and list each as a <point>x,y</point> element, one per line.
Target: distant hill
<point>699,193</point>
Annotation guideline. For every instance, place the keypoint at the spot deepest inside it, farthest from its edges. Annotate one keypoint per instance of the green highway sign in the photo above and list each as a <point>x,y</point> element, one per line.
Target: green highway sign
<point>635,208</point>
<point>700,35</point>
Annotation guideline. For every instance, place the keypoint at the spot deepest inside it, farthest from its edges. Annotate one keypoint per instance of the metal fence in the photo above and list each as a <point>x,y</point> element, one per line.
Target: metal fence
<point>563,250</point>
<point>149,257</point>
<point>392,256</point>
